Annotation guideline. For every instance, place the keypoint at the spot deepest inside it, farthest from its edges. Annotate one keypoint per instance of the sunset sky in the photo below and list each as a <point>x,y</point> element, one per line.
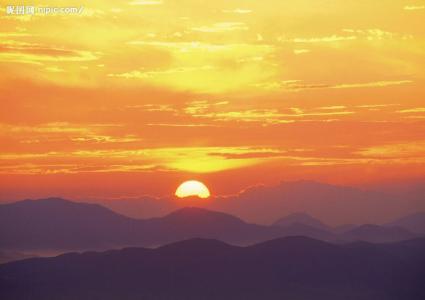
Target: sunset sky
<point>132,98</point>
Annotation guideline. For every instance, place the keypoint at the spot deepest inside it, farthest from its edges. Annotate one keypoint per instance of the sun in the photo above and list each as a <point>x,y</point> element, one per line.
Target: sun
<point>192,188</point>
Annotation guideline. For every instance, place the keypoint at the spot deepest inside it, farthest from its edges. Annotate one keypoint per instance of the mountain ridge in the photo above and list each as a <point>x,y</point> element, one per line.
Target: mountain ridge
<point>294,267</point>
<point>62,224</point>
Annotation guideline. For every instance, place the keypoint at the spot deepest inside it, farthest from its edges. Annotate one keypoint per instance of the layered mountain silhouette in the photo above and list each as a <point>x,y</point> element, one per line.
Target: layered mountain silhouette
<point>335,204</point>
<point>290,268</point>
<point>414,222</point>
<point>57,224</point>
<point>375,233</point>
<point>60,224</point>
<point>263,204</point>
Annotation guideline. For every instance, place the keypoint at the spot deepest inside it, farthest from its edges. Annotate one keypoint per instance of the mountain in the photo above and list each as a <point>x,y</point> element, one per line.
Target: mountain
<point>301,218</point>
<point>8,256</point>
<point>378,234</point>
<point>298,229</point>
<point>56,224</point>
<point>414,223</point>
<point>193,222</point>
<point>290,268</point>
<point>334,204</point>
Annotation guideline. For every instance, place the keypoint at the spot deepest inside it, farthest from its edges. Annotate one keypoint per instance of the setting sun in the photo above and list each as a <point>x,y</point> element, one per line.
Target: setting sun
<point>199,149</point>
<point>192,188</point>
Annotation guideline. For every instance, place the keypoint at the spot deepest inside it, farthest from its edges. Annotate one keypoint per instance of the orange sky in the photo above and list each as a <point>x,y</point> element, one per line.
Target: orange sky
<point>131,98</point>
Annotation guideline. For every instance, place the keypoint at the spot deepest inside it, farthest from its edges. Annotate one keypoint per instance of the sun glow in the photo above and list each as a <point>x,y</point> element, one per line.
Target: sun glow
<point>192,188</point>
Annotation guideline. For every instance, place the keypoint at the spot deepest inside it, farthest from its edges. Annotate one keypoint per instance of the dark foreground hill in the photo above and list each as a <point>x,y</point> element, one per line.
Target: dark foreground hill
<point>292,268</point>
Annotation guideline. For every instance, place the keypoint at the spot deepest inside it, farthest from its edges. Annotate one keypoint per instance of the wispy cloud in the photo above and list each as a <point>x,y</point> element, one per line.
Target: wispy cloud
<point>414,149</point>
<point>222,27</point>
<point>298,85</point>
<point>13,51</point>
<point>301,51</point>
<point>412,110</point>
<point>371,84</point>
<point>237,11</point>
<point>414,7</point>
<point>149,74</point>
<point>270,116</point>
<point>325,39</point>
<point>146,2</point>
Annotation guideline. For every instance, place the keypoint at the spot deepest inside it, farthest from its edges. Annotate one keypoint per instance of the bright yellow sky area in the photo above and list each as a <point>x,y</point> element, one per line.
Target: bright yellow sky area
<point>146,93</point>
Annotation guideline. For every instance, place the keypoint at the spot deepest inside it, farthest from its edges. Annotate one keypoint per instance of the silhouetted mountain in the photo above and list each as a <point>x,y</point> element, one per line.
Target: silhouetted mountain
<point>193,222</point>
<point>330,203</point>
<point>291,268</point>
<point>57,224</point>
<point>298,229</point>
<point>8,256</point>
<point>414,223</point>
<point>301,218</point>
<point>344,228</point>
<point>61,224</point>
<point>375,233</point>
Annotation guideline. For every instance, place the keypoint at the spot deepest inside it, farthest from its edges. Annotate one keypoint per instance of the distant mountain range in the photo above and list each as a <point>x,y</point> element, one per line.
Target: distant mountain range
<point>301,218</point>
<point>289,268</point>
<point>333,204</point>
<point>57,224</point>
<point>8,256</point>
<point>414,223</point>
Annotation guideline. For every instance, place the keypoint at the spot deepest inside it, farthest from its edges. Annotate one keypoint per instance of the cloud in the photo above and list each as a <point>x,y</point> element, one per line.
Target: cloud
<point>298,85</point>
<point>354,34</point>
<point>64,131</point>
<point>371,84</point>
<point>187,159</point>
<point>413,150</point>
<point>237,11</point>
<point>182,125</point>
<point>54,69</point>
<point>325,39</point>
<point>251,153</point>
<point>414,7</point>
<point>183,46</point>
<point>146,2</point>
<point>150,74</point>
<point>13,34</point>
<point>13,51</point>
<point>335,107</point>
<point>301,51</point>
<point>222,27</point>
<point>153,107</point>
<point>374,33</point>
<point>202,106</point>
<point>53,127</point>
<point>375,105</point>
<point>205,67</point>
<point>91,138</point>
<point>272,116</point>
<point>412,110</point>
